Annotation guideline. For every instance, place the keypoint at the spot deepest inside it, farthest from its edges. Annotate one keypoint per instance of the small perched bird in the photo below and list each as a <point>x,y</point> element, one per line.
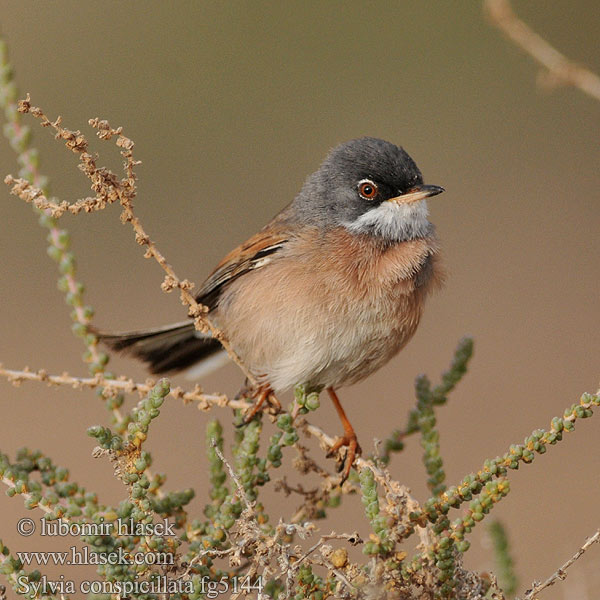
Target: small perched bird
<point>326,293</point>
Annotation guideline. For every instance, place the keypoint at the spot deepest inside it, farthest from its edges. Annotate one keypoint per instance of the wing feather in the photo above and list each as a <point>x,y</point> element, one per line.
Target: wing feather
<point>253,254</point>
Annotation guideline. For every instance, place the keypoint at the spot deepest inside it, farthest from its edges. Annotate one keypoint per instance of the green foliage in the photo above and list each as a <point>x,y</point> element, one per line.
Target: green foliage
<point>147,410</point>
<point>422,418</point>
<point>504,562</point>
<point>379,542</point>
<point>310,586</point>
<point>218,490</point>
<point>307,400</point>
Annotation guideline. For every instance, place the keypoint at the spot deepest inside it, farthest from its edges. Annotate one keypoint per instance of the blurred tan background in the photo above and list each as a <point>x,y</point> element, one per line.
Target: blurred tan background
<point>231,106</point>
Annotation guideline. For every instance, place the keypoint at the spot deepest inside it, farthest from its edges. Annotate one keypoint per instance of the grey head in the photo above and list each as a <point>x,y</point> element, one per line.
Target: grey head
<point>369,186</point>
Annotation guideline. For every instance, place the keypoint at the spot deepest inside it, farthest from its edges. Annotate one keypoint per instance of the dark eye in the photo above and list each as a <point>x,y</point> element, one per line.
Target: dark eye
<point>367,189</point>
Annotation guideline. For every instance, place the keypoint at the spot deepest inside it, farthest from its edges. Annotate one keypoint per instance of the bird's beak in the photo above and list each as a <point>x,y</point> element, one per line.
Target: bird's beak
<point>419,192</point>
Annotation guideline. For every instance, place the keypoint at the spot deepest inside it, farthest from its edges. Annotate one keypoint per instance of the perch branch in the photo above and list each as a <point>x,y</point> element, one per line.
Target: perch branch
<point>110,189</point>
<point>392,487</point>
<point>205,401</point>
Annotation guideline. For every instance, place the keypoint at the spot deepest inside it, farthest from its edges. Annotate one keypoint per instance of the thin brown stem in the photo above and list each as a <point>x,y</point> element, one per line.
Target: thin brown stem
<point>120,385</point>
<point>558,69</point>
<point>561,573</point>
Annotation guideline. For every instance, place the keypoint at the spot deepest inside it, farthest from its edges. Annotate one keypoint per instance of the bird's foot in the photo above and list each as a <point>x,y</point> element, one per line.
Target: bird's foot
<point>349,441</point>
<point>262,395</point>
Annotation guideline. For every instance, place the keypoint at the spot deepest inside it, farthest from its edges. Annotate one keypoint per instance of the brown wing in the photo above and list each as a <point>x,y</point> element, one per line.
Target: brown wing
<point>253,254</point>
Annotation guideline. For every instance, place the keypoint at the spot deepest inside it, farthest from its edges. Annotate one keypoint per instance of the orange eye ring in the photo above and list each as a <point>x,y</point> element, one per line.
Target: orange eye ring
<point>367,189</point>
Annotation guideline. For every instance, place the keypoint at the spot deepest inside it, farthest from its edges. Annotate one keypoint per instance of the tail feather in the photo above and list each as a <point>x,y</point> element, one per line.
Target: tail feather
<point>165,349</point>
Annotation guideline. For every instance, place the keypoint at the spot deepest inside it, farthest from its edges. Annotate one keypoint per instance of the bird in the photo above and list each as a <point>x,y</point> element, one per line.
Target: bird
<point>326,293</point>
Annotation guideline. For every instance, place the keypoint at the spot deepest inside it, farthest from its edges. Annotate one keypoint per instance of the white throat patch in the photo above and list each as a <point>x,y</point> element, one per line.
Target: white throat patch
<point>394,222</point>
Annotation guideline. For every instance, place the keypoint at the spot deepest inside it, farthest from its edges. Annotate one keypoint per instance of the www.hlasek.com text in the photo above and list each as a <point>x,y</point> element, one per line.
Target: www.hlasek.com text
<point>89,556</point>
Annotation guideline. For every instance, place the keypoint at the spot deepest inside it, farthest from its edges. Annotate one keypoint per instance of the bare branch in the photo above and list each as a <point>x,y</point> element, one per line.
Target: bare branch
<point>558,69</point>
<point>109,189</point>
<point>561,573</point>
<point>121,384</point>
<point>235,478</point>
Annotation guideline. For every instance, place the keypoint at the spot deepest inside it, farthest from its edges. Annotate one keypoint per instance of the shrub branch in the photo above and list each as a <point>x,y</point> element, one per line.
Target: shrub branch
<point>558,70</point>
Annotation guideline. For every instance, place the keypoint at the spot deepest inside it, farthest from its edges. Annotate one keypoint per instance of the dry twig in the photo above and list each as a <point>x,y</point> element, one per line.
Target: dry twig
<point>558,69</point>
<point>399,494</point>
<point>561,573</point>
<point>109,189</point>
<point>121,384</point>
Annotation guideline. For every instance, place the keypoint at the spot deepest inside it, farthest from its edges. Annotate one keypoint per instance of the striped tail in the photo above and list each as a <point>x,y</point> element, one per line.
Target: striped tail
<point>165,349</point>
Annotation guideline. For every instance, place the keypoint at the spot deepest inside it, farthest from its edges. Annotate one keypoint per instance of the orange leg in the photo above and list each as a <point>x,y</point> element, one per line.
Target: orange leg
<point>348,439</point>
<point>263,394</point>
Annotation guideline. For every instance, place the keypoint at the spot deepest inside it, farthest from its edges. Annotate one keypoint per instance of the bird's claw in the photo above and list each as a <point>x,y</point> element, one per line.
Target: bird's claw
<point>349,441</point>
<point>262,395</point>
